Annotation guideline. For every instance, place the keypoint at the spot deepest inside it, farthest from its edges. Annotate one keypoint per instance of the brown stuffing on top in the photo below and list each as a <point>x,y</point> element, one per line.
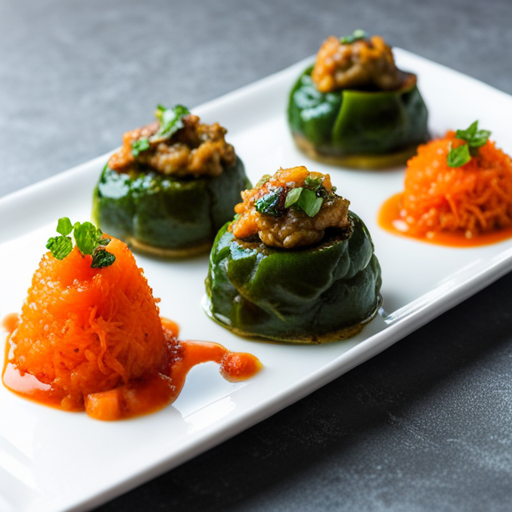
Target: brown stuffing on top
<point>365,63</point>
<point>293,228</point>
<point>195,150</point>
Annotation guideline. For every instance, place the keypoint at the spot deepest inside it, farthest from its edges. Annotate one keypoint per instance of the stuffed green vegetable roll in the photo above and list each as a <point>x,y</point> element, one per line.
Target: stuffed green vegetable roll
<point>171,186</point>
<point>295,265</point>
<point>355,108</point>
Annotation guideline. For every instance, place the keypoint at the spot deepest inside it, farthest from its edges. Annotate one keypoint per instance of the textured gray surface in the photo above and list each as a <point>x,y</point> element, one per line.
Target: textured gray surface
<point>425,426</point>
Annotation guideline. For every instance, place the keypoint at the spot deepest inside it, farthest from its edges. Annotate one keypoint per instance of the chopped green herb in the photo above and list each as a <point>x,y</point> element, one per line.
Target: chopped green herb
<point>103,241</point>
<point>171,120</point>
<point>102,258</point>
<point>474,137</point>
<point>313,183</point>
<point>309,202</point>
<point>60,246</point>
<point>357,35</point>
<point>64,226</point>
<point>459,156</point>
<point>293,196</point>
<point>271,203</point>
<point>140,145</point>
<point>87,236</point>
<point>89,240</point>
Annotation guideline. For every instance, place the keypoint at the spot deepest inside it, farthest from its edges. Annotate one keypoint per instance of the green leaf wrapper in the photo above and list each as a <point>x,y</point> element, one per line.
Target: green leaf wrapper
<point>151,210</point>
<point>353,123</point>
<point>316,294</point>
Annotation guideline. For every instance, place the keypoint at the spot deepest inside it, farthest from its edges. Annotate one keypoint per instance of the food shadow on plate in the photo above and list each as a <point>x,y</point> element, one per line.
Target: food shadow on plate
<point>388,393</point>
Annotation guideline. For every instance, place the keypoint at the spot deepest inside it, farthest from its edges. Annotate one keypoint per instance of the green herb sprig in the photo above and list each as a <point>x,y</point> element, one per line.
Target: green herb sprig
<point>458,157</point>
<point>309,198</point>
<point>170,119</point>
<point>88,238</point>
<point>357,35</point>
<point>474,139</point>
<point>140,145</point>
<point>271,203</point>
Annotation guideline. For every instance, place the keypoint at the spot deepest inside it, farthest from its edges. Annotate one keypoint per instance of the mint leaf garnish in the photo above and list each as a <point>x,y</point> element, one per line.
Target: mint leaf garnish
<point>60,246</point>
<point>458,156</point>
<point>313,183</point>
<point>293,196</point>
<point>271,203</point>
<point>474,137</point>
<point>171,120</point>
<point>64,226</point>
<point>89,240</point>
<point>357,35</point>
<point>309,202</point>
<point>140,145</point>
<point>102,258</point>
<point>86,237</point>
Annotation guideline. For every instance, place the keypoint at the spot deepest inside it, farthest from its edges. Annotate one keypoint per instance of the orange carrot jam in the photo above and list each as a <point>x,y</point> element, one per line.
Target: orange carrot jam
<point>459,206</point>
<point>92,339</point>
<point>10,322</point>
<point>390,220</point>
<point>142,396</point>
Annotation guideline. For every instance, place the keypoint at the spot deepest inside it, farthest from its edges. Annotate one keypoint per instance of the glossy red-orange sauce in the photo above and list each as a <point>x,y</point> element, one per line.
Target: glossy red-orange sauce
<point>142,396</point>
<point>389,219</point>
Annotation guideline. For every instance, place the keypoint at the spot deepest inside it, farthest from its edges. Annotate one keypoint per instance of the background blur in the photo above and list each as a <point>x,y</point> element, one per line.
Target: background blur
<point>74,75</point>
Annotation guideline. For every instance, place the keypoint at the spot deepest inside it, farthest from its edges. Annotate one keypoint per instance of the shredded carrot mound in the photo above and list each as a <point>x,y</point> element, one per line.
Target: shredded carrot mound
<point>84,330</point>
<point>474,198</point>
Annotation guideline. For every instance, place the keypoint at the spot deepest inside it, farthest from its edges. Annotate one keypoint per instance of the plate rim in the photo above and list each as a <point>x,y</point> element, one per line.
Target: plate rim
<point>427,309</point>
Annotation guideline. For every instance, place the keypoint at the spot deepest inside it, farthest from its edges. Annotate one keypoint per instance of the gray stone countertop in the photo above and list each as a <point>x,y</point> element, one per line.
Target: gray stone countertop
<point>426,425</point>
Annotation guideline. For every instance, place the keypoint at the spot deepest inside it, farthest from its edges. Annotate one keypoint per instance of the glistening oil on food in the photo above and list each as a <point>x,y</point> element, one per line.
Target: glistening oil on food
<point>289,262</point>
<point>90,336</point>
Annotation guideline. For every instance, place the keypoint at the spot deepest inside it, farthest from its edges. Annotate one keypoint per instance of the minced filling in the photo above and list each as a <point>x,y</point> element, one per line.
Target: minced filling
<point>264,212</point>
<point>195,150</point>
<point>364,63</point>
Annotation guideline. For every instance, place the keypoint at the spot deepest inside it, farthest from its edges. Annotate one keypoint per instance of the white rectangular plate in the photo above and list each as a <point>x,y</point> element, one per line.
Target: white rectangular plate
<point>56,461</point>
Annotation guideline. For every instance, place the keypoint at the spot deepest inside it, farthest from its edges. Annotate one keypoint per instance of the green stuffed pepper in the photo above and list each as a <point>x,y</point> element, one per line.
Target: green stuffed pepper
<point>171,186</point>
<point>355,108</point>
<point>295,265</point>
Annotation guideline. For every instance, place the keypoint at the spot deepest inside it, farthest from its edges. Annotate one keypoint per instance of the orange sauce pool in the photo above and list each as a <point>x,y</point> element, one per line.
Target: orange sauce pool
<point>390,220</point>
<point>142,396</point>
<point>10,322</point>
